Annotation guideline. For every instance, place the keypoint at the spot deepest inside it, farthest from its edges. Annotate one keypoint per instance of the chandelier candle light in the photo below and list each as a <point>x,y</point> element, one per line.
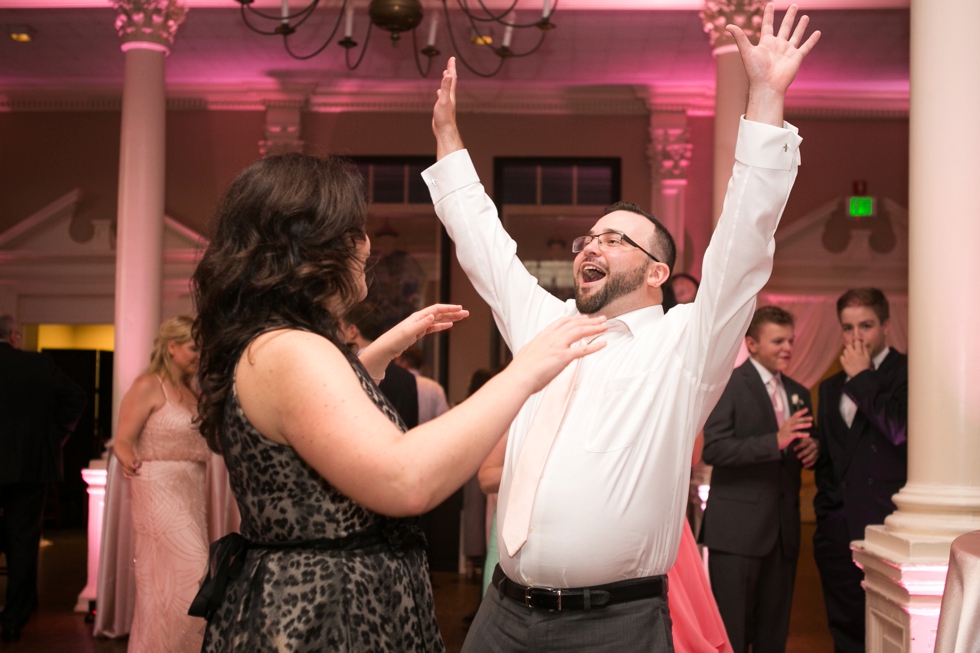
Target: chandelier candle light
<point>398,16</point>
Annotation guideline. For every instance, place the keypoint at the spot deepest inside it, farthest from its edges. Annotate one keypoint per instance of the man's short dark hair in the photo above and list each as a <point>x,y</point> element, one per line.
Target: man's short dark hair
<point>412,357</point>
<point>368,320</point>
<point>768,315</point>
<point>662,243</point>
<point>7,326</point>
<point>870,297</point>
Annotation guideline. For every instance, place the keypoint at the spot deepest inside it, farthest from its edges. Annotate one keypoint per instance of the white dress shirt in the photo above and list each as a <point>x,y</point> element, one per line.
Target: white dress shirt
<point>849,409</point>
<point>768,376</point>
<point>611,499</point>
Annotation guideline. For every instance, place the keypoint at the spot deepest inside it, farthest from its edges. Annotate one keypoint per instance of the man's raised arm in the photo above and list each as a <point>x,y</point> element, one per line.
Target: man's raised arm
<point>444,114</point>
<point>738,261</point>
<point>486,252</point>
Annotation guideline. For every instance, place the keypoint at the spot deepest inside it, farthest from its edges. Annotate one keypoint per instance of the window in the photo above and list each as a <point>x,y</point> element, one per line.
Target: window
<point>409,264</point>
<point>557,181</point>
<point>544,205</point>
<point>394,179</point>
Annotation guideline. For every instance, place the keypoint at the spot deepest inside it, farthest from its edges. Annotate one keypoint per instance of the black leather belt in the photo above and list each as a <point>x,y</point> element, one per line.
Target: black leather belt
<point>579,598</point>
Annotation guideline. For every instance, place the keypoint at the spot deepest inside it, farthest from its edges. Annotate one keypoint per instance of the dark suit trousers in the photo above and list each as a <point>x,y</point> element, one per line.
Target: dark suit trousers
<point>841,580</point>
<point>754,596</point>
<point>23,505</point>
<point>502,625</point>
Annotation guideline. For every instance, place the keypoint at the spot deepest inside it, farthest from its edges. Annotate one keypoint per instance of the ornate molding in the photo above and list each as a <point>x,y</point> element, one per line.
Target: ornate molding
<point>746,14</point>
<point>608,100</point>
<point>151,21</point>
<point>671,152</point>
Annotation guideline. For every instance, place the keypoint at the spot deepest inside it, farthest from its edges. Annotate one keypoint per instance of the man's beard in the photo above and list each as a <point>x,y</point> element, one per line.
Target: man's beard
<point>615,287</point>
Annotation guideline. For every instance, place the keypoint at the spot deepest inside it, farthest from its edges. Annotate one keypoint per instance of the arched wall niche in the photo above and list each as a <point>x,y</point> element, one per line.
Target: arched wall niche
<point>49,275</point>
<point>820,256</point>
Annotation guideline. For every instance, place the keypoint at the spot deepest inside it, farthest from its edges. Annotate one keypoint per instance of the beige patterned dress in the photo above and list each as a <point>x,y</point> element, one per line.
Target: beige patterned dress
<point>170,525</point>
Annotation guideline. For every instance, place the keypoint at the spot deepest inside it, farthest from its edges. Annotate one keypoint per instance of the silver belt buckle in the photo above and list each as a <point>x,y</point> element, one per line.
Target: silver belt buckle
<point>527,596</point>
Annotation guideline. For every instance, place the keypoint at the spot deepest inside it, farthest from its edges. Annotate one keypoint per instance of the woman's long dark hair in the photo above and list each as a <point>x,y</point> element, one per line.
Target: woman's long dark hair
<point>283,251</point>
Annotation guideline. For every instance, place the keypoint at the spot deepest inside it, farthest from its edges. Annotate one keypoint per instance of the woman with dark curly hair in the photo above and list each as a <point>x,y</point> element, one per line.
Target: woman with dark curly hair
<point>327,479</point>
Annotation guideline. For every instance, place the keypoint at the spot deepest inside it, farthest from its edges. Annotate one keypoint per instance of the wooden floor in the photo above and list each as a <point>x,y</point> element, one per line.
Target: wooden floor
<point>55,628</point>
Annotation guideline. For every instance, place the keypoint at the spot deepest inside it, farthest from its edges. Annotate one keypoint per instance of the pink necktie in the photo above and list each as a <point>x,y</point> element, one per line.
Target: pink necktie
<point>777,400</point>
<point>530,464</point>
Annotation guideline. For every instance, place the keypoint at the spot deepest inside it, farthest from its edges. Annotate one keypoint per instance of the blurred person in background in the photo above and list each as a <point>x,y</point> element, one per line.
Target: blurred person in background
<point>164,456</point>
<point>39,408</point>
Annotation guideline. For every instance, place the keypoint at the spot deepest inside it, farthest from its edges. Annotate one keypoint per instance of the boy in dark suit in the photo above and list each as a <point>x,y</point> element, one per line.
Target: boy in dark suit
<point>39,408</point>
<point>757,440</point>
<point>863,455</point>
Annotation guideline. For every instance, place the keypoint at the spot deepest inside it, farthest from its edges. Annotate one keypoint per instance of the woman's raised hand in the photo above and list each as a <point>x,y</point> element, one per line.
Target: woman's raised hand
<point>544,357</point>
<point>431,319</point>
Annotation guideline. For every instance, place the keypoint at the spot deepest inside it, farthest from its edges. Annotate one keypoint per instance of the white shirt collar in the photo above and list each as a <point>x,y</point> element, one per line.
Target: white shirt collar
<point>766,375</point>
<point>880,358</point>
<point>641,319</point>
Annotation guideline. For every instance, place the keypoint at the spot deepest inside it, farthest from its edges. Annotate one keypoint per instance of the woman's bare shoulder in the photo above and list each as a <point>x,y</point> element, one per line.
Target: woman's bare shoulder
<point>289,375</point>
<point>148,392</point>
<point>285,349</point>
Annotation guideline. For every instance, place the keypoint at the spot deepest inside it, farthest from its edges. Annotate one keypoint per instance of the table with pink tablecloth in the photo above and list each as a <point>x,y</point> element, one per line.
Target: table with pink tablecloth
<point>959,620</point>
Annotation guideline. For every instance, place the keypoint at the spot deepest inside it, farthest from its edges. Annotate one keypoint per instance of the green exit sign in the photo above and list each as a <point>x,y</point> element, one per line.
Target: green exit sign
<point>861,207</point>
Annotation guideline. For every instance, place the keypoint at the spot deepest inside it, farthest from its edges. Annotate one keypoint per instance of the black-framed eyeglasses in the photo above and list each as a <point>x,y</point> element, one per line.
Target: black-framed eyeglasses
<point>608,240</point>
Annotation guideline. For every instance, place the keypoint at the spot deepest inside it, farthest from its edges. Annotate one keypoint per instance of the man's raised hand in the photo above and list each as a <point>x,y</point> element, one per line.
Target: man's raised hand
<point>772,65</point>
<point>444,114</point>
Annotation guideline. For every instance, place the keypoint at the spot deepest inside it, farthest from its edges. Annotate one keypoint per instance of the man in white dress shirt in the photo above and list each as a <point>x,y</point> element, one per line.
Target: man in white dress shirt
<point>583,570</point>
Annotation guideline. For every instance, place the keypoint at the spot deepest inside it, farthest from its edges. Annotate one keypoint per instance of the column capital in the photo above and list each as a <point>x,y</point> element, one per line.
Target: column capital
<point>148,23</point>
<point>746,14</point>
<point>671,151</point>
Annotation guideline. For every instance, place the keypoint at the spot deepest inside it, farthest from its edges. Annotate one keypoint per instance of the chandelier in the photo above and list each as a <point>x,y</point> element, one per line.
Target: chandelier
<point>398,16</point>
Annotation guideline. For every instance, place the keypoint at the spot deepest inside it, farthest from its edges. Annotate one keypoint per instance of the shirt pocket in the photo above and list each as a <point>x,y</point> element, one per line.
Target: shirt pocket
<point>610,428</point>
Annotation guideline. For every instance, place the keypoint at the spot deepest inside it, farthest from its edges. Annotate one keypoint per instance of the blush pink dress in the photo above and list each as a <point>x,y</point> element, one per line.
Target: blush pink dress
<point>697,624</point>
<point>171,531</point>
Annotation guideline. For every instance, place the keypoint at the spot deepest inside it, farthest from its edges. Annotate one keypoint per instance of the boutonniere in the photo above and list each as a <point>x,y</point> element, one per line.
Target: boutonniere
<point>795,402</point>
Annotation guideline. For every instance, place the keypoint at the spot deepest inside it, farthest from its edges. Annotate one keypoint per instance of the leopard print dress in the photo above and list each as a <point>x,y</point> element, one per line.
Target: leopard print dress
<point>297,600</point>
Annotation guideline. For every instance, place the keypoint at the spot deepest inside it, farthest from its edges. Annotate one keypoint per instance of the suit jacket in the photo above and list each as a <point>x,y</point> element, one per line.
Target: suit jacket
<point>400,387</point>
<point>39,408</point>
<point>861,467</point>
<point>755,487</point>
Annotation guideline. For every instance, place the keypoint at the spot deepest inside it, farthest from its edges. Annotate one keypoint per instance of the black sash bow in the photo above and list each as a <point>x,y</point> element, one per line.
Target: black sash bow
<point>226,557</point>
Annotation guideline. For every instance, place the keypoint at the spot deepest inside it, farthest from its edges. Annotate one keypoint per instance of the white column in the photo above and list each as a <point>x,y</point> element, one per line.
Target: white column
<point>905,560</point>
<point>731,95</point>
<point>95,477</point>
<point>731,84</point>
<point>147,28</point>
<point>670,155</point>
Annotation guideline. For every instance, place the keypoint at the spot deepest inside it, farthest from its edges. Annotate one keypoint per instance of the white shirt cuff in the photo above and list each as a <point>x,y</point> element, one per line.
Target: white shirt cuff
<point>452,172</point>
<point>763,146</point>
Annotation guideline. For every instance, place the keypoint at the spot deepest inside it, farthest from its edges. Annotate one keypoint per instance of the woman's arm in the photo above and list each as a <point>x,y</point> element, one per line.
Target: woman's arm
<point>143,398</point>
<point>298,389</point>
<point>493,468</point>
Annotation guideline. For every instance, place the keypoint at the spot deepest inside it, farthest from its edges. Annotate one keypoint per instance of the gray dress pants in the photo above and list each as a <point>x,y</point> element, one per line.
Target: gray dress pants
<point>504,625</point>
